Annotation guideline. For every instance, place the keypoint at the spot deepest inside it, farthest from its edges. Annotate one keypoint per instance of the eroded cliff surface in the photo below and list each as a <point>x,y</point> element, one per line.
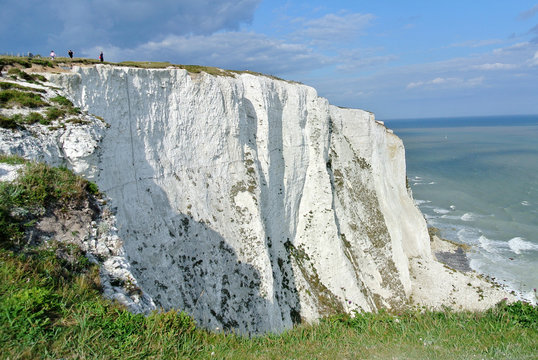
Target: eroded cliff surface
<point>248,202</point>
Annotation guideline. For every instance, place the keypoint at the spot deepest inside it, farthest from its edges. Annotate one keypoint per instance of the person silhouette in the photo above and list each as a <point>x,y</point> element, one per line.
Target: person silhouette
<point>70,53</point>
<point>101,57</point>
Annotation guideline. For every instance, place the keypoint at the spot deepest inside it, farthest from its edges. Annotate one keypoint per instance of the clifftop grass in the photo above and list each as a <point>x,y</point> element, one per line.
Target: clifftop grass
<point>63,61</point>
<point>51,307</point>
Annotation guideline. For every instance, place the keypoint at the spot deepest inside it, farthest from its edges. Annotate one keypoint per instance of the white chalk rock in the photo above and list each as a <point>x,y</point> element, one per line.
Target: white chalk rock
<point>248,202</point>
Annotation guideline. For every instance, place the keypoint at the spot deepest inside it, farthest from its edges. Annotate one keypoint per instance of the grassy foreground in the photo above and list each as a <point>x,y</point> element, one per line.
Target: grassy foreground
<point>51,307</point>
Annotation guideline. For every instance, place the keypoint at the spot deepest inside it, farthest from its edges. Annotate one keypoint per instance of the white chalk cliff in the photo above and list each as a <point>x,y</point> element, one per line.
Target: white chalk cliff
<point>248,202</point>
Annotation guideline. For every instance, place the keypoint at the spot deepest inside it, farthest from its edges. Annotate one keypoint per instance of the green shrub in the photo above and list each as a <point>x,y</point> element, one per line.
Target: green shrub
<point>54,113</point>
<point>62,100</point>
<point>37,187</point>
<point>42,62</point>
<point>11,159</point>
<point>74,111</point>
<point>43,185</point>
<point>518,313</point>
<point>39,77</point>
<point>17,73</point>
<point>8,85</point>
<point>8,123</point>
<point>13,60</point>
<point>17,121</point>
<point>8,98</point>
<point>20,74</point>
<point>78,121</point>
<point>33,118</point>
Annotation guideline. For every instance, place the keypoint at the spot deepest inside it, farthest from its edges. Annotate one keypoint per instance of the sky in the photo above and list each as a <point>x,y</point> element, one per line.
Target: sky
<point>398,59</point>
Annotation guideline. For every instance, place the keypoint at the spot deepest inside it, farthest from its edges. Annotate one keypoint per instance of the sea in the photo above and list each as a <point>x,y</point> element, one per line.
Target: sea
<point>476,180</point>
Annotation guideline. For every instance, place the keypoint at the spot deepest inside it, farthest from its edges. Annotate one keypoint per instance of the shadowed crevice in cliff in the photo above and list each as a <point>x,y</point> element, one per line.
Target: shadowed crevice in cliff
<point>272,205</point>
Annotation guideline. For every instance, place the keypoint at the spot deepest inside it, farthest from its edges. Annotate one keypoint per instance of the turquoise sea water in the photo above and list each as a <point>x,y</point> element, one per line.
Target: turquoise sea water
<point>476,179</point>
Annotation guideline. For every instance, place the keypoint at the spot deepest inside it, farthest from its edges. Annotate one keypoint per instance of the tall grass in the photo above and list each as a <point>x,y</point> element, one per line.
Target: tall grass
<point>9,98</point>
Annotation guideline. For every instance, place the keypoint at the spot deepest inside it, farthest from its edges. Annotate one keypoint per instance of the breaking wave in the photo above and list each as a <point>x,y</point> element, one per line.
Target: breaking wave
<point>519,244</point>
<point>468,217</point>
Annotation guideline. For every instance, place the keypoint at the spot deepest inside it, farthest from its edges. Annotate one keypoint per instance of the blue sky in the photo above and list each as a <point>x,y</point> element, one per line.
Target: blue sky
<point>398,59</point>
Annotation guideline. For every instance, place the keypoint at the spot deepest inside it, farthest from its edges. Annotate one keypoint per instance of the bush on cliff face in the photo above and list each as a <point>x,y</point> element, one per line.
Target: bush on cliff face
<point>10,98</point>
<point>37,189</point>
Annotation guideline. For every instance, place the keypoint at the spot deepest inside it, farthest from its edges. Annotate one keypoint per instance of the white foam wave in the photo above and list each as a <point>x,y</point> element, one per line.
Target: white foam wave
<point>450,217</point>
<point>525,203</point>
<point>529,296</point>
<point>491,246</point>
<point>420,202</point>
<point>441,211</point>
<point>468,217</point>
<point>432,183</point>
<point>518,244</point>
<point>452,207</point>
<point>467,236</point>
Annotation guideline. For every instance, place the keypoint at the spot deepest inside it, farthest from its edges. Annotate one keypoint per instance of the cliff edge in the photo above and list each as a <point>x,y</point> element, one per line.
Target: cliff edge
<point>248,202</point>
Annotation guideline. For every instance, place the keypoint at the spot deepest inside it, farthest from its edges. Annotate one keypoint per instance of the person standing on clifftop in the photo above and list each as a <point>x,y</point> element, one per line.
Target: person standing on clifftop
<point>70,53</point>
<point>101,57</point>
<point>52,54</point>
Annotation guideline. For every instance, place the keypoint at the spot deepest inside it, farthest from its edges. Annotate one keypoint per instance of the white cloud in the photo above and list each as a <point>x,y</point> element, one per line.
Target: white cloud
<point>358,59</point>
<point>450,82</point>
<point>333,27</point>
<point>229,50</point>
<point>495,66</point>
<point>477,43</point>
<point>522,46</point>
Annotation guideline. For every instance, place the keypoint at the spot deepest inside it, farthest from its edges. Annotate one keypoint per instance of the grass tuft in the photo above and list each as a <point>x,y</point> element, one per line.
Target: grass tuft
<point>37,187</point>
<point>10,98</point>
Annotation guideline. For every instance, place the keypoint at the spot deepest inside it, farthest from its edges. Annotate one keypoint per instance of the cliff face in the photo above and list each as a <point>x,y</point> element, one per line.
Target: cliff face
<point>248,202</point>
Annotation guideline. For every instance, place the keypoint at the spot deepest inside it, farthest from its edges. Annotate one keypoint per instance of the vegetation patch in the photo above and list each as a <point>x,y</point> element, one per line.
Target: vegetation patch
<point>33,78</point>
<point>37,189</point>
<point>18,121</point>
<point>11,159</point>
<point>33,118</point>
<point>8,85</point>
<point>8,123</point>
<point>25,62</point>
<point>62,100</point>
<point>78,121</point>
<point>54,113</point>
<point>146,64</point>
<point>10,98</point>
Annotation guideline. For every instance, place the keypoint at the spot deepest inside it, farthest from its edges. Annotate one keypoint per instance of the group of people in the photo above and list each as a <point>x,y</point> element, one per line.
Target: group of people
<point>70,53</point>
